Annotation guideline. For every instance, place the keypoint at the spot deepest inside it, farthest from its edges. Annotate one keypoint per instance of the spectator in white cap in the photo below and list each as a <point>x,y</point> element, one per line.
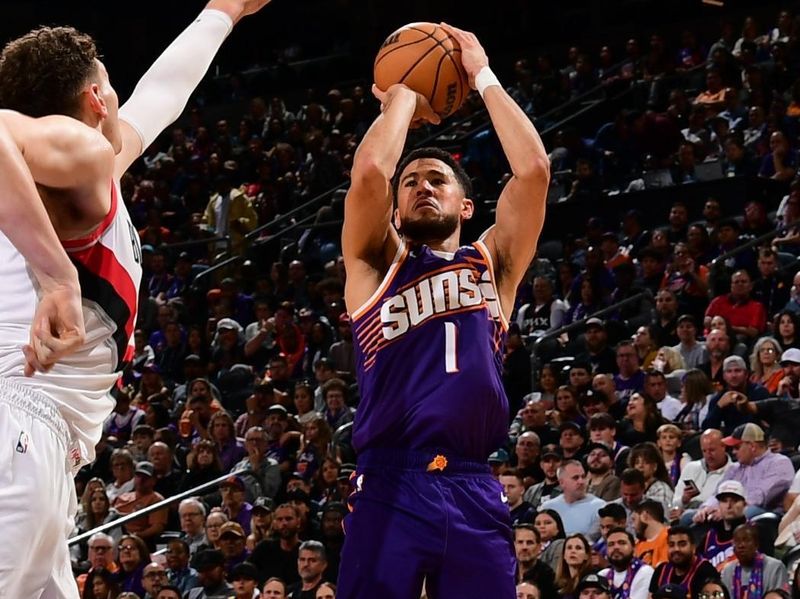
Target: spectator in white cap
<point>765,476</point>
<point>790,361</point>
<point>717,545</point>
<point>726,409</point>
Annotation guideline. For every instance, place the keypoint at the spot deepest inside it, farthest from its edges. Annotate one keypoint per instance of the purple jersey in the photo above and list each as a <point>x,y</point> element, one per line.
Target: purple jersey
<point>429,352</point>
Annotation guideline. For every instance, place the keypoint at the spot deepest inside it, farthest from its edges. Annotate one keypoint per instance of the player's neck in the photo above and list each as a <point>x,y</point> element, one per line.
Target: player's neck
<point>449,245</point>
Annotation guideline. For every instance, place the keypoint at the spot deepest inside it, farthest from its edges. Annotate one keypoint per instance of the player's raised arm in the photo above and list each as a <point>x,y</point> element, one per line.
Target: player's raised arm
<point>162,92</point>
<point>521,207</point>
<point>368,239</point>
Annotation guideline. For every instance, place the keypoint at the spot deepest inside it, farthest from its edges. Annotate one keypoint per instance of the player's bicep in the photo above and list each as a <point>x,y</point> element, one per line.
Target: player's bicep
<point>131,148</point>
<point>519,220</point>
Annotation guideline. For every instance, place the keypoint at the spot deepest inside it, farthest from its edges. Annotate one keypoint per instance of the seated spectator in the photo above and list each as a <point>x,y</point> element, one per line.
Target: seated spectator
<point>577,508</point>
<point>764,365</point>
<point>766,476</point>
<point>133,557</point>
<point>545,313</point>
<point>726,409</point>
<point>655,386</point>
<point>746,316</point>
<point>551,530</point>
<point>574,564</point>
<point>102,549</point>
<point>521,511</point>
<point>684,568</point>
<point>641,421</point>
<point>203,465</point>
<point>210,566</point>
<point>100,582</point>
<point>645,458</point>
<point>527,546</point>
<point>692,351</point>
<point>261,473</point>
<point>122,468</point>
<point>781,161</point>
<point>149,527</point>
<point>630,378</point>
<point>549,487</point>
<point>625,571</point>
<point>713,97</point>
<point>234,505</point>
<point>700,478</point>
<point>787,330</point>
<point>651,533</point>
<point>179,573</point>
<point>765,572</point>
<point>597,353</point>
<point>695,391</point>
<point>244,579</point>
<point>668,440</point>
<point>533,417</point>
<point>603,483</point>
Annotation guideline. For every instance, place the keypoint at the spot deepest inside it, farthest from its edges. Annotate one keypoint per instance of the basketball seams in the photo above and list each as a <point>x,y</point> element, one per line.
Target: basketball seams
<point>439,44</point>
<point>436,77</point>
<point>405,45</point>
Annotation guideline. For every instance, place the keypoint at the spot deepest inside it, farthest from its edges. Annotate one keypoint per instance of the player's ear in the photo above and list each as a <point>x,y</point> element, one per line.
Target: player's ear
<point>96,102</point>
<point>396,218</point>
<point>467,209</point>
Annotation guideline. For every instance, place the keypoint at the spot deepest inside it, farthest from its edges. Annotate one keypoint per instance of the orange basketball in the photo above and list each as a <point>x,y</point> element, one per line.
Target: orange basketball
<point>424,57</point>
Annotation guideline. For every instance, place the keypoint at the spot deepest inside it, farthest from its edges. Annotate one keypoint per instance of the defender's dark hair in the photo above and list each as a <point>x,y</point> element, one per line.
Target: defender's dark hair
<point>43,71</point>
<point>438,154</point>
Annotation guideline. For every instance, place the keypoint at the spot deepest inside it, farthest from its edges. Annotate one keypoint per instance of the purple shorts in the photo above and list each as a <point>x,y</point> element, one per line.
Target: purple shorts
<point>415,519</point>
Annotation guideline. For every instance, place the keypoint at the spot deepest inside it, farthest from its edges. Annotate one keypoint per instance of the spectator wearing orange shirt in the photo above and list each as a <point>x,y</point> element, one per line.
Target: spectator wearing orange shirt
<point>648,521</point>
<point>148,527</point>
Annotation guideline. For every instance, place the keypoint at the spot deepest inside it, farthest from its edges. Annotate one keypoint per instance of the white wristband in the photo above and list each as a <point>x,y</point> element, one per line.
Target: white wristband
<point>485,78</point>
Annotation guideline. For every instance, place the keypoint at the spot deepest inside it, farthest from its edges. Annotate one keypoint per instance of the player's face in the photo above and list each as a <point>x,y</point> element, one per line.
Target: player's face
<point>110,124</point>
<point>430,201</point>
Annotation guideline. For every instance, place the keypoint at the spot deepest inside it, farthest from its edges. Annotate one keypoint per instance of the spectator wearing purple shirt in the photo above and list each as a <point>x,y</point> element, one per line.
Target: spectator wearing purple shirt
<point>765,476</point>
<point>630,378</point>
<point>233,502</point>
<point>230,449</point>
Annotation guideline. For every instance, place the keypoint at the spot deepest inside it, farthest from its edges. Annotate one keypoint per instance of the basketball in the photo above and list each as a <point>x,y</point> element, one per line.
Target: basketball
<point>427,59</point>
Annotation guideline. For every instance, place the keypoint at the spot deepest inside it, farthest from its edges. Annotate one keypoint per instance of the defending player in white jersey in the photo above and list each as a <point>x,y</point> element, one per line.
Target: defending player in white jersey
<point>50,421</point>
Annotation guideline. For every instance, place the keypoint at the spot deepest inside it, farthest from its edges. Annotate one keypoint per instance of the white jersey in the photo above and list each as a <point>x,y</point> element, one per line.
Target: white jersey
<point>109,268</point>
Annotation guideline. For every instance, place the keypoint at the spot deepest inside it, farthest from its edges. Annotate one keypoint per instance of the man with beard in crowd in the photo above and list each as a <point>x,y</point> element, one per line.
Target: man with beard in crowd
<point>628,576</point>
<point>684,568</point>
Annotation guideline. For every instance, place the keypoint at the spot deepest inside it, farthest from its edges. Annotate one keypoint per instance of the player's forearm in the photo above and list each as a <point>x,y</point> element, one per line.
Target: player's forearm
<point>163,91</point>
<point>521,143</point>
<point>24,220</point>
<point>383,143</point>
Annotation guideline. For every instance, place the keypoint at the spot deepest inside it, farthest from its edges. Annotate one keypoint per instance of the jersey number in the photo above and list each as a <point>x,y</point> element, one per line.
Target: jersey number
<point>450,347</point>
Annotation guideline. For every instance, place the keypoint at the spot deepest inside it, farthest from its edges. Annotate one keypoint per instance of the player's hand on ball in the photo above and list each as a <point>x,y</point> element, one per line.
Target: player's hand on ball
<point>57,330</point>
<point>473,56</point>
<point>423,113</point>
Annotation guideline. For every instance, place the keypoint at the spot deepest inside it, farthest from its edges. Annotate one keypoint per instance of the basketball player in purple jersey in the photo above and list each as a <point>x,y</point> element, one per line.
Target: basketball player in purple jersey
<point>429,319</point>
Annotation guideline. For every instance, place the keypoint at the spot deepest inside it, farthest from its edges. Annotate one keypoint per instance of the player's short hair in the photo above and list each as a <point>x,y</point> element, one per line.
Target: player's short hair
<point>43,71</point>
<point>438,154</point>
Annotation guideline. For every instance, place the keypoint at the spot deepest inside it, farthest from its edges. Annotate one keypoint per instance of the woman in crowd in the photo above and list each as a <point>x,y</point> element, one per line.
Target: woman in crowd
<point>203,464</point>
<point>327,590</point>
<point>326,488</point>
<point>133,557</point>
<point>551,531</point>
<point>645,344</point>
<point>589,301</point>
<point>787,330</point>
<point>229,448</point>
<point>668,360</point>
<point>765,364</point>
<point>695,389</point>
<point>303,399</point>
<point>657,486</point>
<point>641,421</point>
<point>574,565</point>
<point>100,584</point>
<point>714,589</point>
<point>548,385</point>
<point>315,447</point>
<point>567,406</point>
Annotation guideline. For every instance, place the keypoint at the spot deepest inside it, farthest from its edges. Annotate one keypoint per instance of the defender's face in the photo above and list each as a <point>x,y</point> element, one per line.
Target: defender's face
<point>110,126</point>
<point>430,201</point>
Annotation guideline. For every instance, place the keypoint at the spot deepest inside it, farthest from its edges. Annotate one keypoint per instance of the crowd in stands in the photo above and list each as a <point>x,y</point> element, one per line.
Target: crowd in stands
<point>654,445</point>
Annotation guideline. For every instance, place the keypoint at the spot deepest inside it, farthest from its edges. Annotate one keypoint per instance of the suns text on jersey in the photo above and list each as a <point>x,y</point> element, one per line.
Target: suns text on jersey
<point>439,294</point>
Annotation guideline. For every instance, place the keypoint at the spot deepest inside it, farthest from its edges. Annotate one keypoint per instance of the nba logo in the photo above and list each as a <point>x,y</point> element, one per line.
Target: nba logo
<point>22,442</point>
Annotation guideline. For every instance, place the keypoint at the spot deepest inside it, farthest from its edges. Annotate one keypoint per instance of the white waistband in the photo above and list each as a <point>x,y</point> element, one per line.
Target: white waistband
<point>37,405</point>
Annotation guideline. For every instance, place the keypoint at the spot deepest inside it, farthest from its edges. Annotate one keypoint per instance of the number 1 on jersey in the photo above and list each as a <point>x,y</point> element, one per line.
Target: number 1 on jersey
<point>450,347</point>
